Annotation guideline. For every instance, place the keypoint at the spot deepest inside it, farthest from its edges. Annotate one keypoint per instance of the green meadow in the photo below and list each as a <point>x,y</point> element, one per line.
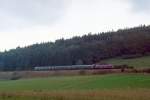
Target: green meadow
<point>94,87</point>
<point>135,62</point>
<point>93,82</point>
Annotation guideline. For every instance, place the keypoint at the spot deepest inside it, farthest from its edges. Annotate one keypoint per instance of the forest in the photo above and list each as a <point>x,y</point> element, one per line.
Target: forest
<point>86,49</point>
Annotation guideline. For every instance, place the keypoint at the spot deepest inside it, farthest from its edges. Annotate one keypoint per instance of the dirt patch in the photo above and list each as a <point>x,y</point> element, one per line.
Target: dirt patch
<point>36,74</point>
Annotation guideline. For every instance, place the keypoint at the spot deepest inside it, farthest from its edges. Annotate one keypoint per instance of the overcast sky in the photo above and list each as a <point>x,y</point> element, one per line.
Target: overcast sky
<point>25,22</point>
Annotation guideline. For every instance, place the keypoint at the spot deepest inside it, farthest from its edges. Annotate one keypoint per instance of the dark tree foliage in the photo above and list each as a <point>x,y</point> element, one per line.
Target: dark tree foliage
<point>87,49</point>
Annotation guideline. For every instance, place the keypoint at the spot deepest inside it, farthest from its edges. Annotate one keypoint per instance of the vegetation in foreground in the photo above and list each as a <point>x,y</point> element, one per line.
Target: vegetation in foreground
<point>96,87</point>
<point>127,94</point>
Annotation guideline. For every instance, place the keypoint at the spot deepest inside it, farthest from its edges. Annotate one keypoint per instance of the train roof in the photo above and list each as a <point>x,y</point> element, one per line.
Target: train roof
<point>75,65</point>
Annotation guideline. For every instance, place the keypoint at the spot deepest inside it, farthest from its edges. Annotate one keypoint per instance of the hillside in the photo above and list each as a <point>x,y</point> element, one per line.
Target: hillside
<point>88,49</point>
<point>136,62</point>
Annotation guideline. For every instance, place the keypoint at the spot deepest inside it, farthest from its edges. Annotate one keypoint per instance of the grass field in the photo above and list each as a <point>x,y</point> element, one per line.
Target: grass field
<point>95,82</point>
<point>136,62</point>
<point>128,94</point>
<point>96,87</point>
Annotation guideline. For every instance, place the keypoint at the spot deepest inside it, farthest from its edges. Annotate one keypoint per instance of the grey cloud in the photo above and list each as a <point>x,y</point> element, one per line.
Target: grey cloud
<point>141,5</point>
<point>31,11</point>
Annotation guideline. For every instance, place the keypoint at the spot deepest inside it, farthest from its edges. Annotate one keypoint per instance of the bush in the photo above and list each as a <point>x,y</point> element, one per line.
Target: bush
<point>15,76</point>
<point>147,70</point>
<point>123,66</point>
<point>82,72</point>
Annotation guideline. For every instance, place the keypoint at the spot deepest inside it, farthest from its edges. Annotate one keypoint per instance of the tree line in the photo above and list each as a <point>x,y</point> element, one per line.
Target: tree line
<point>87,49</point>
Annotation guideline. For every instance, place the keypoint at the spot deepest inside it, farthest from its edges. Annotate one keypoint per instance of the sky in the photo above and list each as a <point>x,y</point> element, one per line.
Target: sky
<point>25,22</point>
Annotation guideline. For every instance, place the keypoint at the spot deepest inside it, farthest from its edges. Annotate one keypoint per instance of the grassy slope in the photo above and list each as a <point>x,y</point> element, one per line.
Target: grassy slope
<point>136,62</point>
<point>97,82</point>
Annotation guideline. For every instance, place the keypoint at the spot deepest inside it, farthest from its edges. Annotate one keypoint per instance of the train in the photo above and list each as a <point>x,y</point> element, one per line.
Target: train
<point>74,67</point>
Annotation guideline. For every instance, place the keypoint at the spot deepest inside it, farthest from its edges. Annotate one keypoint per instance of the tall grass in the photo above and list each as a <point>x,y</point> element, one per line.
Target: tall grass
<point>127,94</point>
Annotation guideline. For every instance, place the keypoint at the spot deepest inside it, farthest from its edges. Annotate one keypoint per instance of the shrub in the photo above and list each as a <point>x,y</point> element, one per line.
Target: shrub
<point>82,72</point>
<point>15,76</point>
